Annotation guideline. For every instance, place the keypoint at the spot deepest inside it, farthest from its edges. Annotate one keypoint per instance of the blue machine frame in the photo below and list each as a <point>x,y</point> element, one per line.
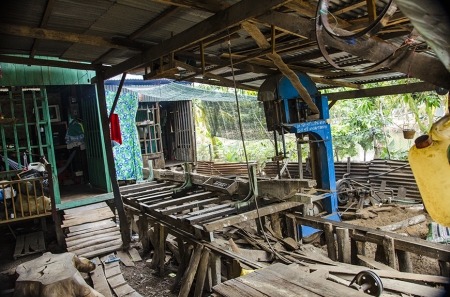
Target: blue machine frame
<point>319,129</point>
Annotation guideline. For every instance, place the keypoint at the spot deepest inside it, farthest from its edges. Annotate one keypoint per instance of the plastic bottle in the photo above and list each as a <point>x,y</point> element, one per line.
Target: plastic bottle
<point>430,162</point>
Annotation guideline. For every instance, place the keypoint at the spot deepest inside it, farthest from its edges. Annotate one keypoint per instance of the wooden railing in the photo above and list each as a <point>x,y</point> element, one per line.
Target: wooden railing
<point>24,198</point>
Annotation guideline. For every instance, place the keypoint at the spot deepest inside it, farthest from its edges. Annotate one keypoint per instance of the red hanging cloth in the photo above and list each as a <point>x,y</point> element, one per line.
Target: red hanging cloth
<point>115,129</point>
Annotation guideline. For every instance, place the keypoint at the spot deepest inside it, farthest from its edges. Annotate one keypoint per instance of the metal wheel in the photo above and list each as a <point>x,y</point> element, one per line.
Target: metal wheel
<point>344,191</point>
<point>317,207</point>
<point>369,282</point>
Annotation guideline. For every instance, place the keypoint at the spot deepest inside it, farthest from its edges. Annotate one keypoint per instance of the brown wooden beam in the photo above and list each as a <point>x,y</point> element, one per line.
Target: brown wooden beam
<point>44,21</point>
<point>116,98</point>
<point>382,91</point>
<point>349,8</point>
<point>371,10</point>
<point>50,63</point>
<point>229,17</point>
<point>209,5</point>
<point>39,33</point>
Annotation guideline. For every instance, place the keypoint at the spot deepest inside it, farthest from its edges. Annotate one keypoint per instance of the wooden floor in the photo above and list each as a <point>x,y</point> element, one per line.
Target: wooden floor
<point>78,192</point>
<point>283,281</point>
<point>90,230</point>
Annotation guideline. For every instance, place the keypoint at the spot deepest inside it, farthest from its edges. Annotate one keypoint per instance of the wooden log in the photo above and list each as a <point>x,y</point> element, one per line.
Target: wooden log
<point>389,250</point>
<point>234,247</point>
<point>91,248</point>
<point>208,280</point>
<point>216,269</point>
<point>143,233</point>
<point>403,224</point>
<point>331,243</point>
<point>404,261</point>
<point>276,224</point>
<point>201,273</point>
<point>343,241</point>
<point>188,278</point>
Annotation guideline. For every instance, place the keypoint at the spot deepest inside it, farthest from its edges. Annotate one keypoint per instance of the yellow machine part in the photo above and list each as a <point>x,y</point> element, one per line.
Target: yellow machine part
<point>430,162</point>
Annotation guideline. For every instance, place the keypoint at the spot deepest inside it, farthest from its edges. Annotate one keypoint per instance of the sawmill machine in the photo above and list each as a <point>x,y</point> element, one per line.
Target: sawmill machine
<point>308,118</point>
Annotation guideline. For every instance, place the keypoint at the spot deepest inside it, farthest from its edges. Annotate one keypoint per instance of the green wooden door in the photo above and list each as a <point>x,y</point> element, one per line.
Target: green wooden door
<point>95,144</point>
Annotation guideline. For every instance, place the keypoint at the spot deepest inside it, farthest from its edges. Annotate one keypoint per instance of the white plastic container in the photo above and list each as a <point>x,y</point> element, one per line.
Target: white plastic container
<point>37,166</point>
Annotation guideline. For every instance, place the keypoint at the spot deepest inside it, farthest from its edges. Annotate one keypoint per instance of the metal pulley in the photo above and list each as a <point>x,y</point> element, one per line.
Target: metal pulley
<point>368,282</point>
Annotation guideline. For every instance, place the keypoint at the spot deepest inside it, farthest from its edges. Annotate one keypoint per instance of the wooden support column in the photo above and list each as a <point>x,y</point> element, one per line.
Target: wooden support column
<point>389,250</point>
<point>201,273</point>
<point>443,267</point>
<point>343,241</point>
<point>126,236</point>
<point>331,243</point>
<point>216,269</point>
<point>143,233</point>
<point>185,252</point>
<point>162,249</point>
<point>116,98</point>
<point>188,278</point>
<point>404,261</point>
<point>360,250</point>
<point>291,227</point>
<point>276,224</point>
<point>155,243</point>
<point>59,232</point>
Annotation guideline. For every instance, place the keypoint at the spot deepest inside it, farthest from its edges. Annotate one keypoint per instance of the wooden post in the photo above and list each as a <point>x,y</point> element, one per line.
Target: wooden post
<point>291,227</point>
<point>216,269</point>
<point>155,242</point>
<point>443,267</point>
<point>404,261</point>
<point>201,273</point>
<point>276,226</point>
<point>162,249</point>
<point>354,251</point>
<point>188,278</point>
<point>360,250</point>
<point>143,233</point>
<point>184,251</point>
<point>343,241</point>
<point>59,232</point>
<point>380,255</point>
<point>126,236</point>
<point>233,269</point>
<point>331,243</point>
<point>208,280</point>
<point>389,250</point>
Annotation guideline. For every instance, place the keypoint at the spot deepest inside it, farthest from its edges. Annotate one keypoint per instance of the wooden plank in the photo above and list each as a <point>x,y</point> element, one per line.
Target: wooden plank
<point>411,288</point>
<point>102,245</point>
<point>87,213</point>
<point>111,271</point>
<point>374,264</point>
<point>250,215</point>
<point>234,288</point>
<point>20,241</point>
<point>319,286</point>
<point>123,290</point>
<point>88,238</point>
<point>76,230</point>
<point>87,219</point>
<point>99,280</point>
<point>181,200</point>
<point>352,270</point>
<point>116,281</point>
<point>102,251</point>
<point>82,209</point>
<point>135,255</point>
<point>124,258</point>
<point>94,241</point>
<point>88,234</point>
<point>34,241</point>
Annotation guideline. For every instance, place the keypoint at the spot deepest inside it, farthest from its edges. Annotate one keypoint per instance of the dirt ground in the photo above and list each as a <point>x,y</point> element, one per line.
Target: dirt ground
<point>423,265</point>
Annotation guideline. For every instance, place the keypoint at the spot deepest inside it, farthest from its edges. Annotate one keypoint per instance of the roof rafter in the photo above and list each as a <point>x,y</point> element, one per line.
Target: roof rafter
<point>44,21</point>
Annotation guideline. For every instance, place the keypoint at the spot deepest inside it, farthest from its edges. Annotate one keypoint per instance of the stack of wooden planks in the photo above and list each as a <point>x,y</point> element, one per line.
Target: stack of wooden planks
<point>91,231</point>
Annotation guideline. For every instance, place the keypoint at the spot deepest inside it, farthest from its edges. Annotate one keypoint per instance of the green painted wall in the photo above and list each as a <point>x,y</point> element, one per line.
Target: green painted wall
<point>24,75</point>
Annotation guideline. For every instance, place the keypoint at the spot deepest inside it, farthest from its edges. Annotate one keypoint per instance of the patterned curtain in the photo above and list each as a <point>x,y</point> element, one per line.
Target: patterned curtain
<point>127,156</point>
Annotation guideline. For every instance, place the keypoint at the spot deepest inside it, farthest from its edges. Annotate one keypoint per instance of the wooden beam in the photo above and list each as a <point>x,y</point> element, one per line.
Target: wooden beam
<point>349,8</point>
<point>116,98</point>
<point>44,21</point>
<point>209,5</point>
<point>382,91</point>
<point>229,17</point>
<point>309,10</point>
<point>50,63</point>
<point>278,61</point>
<point>371,10</point>
<point>414,64</point>
<point>24,31</point>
